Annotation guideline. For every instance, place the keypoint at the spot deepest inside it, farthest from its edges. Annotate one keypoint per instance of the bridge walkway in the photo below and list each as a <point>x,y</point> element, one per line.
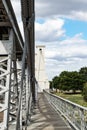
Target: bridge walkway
<point>46,118</point>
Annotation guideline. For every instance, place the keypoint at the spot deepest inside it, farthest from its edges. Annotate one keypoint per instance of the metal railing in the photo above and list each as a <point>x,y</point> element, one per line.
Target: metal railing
<point>75,114</point>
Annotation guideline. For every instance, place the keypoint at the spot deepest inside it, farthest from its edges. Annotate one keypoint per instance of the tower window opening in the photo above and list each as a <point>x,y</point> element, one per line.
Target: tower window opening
<point>40,49</point>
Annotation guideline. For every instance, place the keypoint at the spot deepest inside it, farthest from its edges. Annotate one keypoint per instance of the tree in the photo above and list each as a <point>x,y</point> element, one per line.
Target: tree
<point>85,92</point>
<point>65,81</point>
<point>71,81</point>
<point>55,82</point>
<point>83,74</point>
<point>76,81</point>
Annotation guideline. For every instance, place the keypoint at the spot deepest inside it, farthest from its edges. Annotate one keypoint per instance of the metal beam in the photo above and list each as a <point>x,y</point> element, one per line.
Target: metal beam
<point>28,22</point>
<point>5,24</point>
<point>12,18</point>
<point>9,86</point>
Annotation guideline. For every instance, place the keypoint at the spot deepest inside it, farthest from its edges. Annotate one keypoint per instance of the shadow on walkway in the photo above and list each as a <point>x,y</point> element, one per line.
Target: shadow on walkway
<point>46,118</point>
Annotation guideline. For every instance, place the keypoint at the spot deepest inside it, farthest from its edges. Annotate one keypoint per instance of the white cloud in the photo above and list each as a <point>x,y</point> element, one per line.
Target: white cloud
<point>80,15</point>
<point>50,30</point>
<point>76,15</point>
<point>66,8</point>
<point>66,56</point>
<point>77,39</point>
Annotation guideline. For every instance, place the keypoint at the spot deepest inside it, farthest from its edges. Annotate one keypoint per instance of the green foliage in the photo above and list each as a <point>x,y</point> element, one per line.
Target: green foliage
<point>85,92</point>
<point>55,82</point>
<point>70,80</point>
<point>65,80</point>
<point>76,98</point>
<point>83,74</point>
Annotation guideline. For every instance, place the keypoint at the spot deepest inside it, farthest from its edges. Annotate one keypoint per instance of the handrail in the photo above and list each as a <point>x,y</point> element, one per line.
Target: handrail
<point>75,114</point>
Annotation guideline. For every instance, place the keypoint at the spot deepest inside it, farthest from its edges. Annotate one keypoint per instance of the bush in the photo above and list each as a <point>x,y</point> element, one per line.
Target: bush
<point>85,92</point>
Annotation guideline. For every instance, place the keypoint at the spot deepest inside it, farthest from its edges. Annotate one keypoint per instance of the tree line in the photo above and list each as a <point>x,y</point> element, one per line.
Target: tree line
<point>74,81</point>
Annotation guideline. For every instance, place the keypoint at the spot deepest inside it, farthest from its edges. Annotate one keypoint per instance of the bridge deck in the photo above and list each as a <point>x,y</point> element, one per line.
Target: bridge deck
<point>46,118</point>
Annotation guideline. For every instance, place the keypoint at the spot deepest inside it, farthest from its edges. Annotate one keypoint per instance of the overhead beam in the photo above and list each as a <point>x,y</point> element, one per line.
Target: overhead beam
<point>12,18</point>
<point>5,24</point>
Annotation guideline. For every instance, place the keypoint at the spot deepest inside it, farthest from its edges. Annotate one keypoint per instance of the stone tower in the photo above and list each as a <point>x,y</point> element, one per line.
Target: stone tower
<point>40,69</point>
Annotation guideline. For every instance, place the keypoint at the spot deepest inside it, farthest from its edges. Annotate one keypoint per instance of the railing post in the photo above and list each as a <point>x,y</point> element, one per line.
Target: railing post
<point>82,120</point>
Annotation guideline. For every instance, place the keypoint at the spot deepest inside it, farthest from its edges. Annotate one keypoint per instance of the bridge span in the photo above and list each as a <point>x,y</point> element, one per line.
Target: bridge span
<point>19,107</point>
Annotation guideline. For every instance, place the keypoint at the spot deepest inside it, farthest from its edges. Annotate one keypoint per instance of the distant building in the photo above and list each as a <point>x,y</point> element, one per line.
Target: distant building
<point>40,73</point>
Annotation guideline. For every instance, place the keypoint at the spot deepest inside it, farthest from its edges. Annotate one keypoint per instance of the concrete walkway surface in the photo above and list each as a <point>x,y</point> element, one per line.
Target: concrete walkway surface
<point>46,118</point>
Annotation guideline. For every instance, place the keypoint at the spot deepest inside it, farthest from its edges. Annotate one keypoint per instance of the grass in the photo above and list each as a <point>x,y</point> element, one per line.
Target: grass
<point>76,98</point>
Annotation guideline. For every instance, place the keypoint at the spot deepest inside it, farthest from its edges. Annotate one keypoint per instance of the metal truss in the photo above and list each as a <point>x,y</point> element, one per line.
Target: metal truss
<point>15,92</point>
<point>25,101</point>
<point>17,88</point>
<point>8,87</point>
<point>3,90</point>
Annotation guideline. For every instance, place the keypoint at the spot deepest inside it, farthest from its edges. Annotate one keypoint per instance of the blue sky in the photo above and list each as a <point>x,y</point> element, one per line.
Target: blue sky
<point>61,25</point>
<point>71,26</point>
<point>40,20</point>
<point>74,27</point>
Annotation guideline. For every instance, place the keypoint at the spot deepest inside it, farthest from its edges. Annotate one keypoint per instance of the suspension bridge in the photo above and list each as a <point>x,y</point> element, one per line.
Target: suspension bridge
<point>22,106</point>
